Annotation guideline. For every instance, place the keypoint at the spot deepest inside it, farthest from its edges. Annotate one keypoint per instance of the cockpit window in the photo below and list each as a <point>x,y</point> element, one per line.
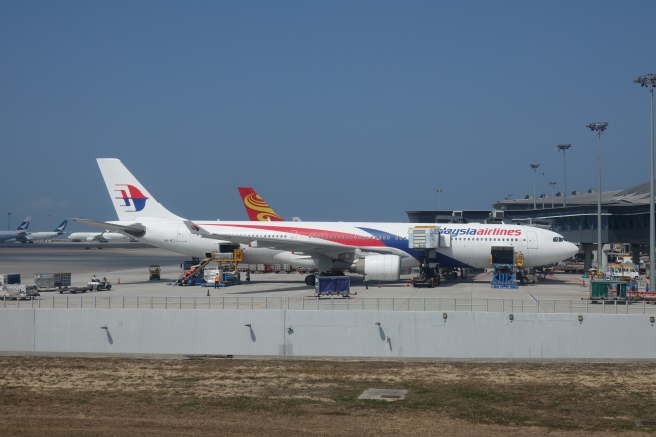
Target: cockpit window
<point>558,239</point>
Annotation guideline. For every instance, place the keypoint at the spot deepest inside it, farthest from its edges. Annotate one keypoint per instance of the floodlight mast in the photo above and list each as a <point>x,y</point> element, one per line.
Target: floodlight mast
<point>563,148</point>
<point>535,168</point>
<point>543,173</point>
<point>648,81</point>
<point>552,183</point>
<point>598,127</point>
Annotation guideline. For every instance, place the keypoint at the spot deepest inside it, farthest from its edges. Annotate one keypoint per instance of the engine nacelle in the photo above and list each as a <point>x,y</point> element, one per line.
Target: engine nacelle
<point>379,267</point>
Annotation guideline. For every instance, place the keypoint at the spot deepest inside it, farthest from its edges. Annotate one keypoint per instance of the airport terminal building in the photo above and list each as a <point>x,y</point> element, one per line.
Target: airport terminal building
<point>624,217</point>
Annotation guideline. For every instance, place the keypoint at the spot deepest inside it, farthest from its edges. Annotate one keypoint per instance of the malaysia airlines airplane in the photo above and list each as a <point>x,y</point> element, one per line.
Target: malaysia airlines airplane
<point>21,231</point>
<point>142,217</point>
<point>380,250</point>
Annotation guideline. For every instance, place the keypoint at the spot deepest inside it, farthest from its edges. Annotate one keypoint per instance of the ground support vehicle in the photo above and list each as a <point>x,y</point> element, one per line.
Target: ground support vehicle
<point>154,271</point>
<point>72,290</point>
<point>426,239</point>
<point>18,291</point>
<point>98,285</point>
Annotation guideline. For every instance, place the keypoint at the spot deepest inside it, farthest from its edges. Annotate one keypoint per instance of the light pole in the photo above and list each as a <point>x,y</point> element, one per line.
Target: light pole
<point>598,127</point>
<point>439,191</point>
<point>9,221</point>
<point>649,80</point>
<point>543,173</point>
<point>564,148</point>
<point>552,183</point>
<point>535,168</point>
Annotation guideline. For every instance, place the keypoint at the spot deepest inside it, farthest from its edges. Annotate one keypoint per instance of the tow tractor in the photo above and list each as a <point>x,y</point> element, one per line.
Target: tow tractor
<point>426,238</point>
<point>97,285</point>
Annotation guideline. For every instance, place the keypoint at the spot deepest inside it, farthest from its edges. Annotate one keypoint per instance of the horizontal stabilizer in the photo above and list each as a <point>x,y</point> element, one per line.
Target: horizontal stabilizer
<point>136,230</point>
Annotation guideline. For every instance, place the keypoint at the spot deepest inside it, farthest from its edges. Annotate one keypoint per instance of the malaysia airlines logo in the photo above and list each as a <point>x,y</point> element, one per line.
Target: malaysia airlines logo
<point>131,194</point>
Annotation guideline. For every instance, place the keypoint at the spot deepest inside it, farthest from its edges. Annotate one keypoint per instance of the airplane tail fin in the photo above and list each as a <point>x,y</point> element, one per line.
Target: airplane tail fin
<point>23,226</point>
<point>131,199</point>
<point>256,207</point>
<point>61,227</point>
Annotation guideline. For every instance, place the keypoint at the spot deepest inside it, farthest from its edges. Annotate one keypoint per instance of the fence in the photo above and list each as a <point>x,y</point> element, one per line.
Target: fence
<point>339,303</point>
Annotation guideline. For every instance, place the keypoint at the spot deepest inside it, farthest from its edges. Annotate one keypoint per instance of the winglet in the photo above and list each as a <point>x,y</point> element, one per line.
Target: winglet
<point>194,228</point>
<point>256,207</point>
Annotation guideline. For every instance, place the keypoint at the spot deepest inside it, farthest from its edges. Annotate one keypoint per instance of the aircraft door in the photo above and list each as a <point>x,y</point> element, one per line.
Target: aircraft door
<point>531,240</point>
<point>182,234</point>
<point>445,240</point>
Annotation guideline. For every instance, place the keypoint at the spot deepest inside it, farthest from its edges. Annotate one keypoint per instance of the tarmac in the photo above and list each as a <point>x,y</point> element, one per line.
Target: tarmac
<point>125,265</point>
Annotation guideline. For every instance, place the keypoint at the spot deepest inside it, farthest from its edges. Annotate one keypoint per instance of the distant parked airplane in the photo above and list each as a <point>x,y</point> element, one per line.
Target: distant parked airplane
<point>59,230</point>
<point>21,231</point>
<point>103,237</point>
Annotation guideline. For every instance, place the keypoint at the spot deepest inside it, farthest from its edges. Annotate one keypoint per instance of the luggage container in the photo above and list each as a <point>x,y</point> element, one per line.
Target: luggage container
<point>333,285</point>
<point>603,290</point>
<point>52,280</point>
<point>10,278</point>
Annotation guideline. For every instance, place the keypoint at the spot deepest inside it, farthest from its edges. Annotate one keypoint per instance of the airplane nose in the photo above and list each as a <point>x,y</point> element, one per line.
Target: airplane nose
<point>572,249</point>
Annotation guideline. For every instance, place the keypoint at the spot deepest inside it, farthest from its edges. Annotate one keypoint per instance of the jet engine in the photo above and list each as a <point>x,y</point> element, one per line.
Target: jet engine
<point>379,267</point>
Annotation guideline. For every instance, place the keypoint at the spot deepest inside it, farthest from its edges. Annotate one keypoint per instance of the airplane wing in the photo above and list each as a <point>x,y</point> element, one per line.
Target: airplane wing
<point>135,230</point>
<point>313,247</point>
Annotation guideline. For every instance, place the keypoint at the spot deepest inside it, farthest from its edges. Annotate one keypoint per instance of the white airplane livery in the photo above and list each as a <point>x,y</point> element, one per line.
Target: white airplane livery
<point>380,250</point>
<point>143,218</point>
<point>20,232</point>
<point>46,235</point>
<point>97,236</point>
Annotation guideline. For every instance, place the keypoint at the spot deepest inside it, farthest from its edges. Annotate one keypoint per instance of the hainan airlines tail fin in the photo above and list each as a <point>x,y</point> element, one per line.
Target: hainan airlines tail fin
<point>256,207</point>
<point>23,226</point>
<point>131,199</point>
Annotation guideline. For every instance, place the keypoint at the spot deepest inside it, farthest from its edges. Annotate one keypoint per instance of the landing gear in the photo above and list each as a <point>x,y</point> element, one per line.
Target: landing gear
<point>310,280</point>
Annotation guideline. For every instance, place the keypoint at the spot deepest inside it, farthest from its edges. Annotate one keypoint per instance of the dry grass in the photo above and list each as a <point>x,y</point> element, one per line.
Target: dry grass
<point>116,397</point>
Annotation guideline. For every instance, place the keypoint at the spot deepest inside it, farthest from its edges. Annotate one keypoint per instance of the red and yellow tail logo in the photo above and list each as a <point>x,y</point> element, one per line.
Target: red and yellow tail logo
<point>256,207</point>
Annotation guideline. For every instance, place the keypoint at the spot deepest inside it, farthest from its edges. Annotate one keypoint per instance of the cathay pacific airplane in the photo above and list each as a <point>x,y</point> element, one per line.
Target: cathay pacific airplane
<point>21,231</point>
<point>32,236</point>
<point>380,250</point>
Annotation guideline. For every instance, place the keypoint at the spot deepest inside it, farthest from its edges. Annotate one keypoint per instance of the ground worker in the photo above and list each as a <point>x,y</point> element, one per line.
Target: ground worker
<point>216,280</point>
<point>366,281</point>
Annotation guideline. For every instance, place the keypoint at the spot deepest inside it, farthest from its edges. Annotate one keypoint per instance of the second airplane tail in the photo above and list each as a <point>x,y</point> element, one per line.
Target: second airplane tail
<point>256,207</point>
<point>131,199</point>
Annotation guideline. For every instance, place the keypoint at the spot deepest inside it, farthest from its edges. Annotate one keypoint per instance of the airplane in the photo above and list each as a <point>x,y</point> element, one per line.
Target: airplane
<point>103,237</point>
<point>380,250</point>
<point>261,204</point>
<point>59,230</point>
<point>365,247</point>
<point>142,217</point>
<point>21,231</point>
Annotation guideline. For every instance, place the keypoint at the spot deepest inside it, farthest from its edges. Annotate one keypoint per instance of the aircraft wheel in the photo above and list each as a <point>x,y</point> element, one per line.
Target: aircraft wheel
<point>310,280</point>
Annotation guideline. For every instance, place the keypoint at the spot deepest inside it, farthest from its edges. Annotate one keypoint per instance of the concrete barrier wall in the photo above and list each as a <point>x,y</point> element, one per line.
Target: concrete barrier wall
<point>379,334</point>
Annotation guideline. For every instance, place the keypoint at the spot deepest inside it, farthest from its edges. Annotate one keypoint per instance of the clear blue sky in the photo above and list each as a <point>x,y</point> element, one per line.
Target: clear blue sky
<point>332,110</point>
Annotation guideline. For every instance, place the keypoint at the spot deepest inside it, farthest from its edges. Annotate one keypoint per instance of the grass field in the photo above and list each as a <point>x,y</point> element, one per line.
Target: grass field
<point>235,397</point>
